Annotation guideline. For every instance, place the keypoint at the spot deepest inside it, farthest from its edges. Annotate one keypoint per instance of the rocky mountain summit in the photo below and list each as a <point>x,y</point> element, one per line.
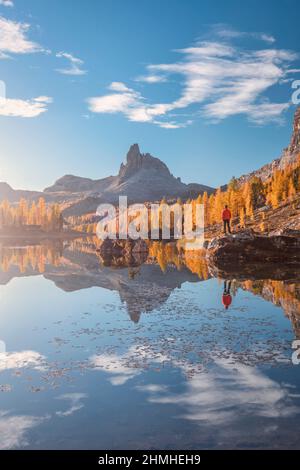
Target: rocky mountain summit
<point>287,157</point>
<point>136,162</point>
<point>141,178</point>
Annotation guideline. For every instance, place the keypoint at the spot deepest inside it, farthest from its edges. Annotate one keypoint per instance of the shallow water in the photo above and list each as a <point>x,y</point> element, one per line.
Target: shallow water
<point>143,357</point>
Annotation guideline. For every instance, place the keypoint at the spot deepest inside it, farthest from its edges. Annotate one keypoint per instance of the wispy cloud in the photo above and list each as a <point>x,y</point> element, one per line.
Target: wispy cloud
<point>219,77</point>
<point>151,79</point>
<point>225,32</point>
<point>20,359</point>
<point>7,3</point>
<point>230,390</point>
<point>24,108</point>
<point>76,404</point>
<point>13,429</point>
<point>74,66</point>
<point>14,40</point>
<point>130,103</point>
<point>119,365</point>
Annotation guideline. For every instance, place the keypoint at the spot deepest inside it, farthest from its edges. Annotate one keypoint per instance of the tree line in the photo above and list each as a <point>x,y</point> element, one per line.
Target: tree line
<point>41,215</point>
<point>244,198</point>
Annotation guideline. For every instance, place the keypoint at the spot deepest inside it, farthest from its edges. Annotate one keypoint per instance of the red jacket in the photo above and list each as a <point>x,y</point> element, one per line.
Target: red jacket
<point>226,214</point>
<point>226,300</point>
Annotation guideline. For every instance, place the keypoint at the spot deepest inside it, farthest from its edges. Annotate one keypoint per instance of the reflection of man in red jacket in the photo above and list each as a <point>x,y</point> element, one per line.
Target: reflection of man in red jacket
<point>226,217</point>
<point>226,298</point>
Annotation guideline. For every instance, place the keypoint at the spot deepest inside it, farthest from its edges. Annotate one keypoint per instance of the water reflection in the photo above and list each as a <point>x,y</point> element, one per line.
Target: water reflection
<point>226,297</point>
<point>200,361</point>
<point>143,282</point>
<point>13,429</point>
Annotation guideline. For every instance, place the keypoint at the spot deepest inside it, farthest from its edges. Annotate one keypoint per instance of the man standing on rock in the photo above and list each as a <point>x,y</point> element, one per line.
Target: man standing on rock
<point>226,217</point>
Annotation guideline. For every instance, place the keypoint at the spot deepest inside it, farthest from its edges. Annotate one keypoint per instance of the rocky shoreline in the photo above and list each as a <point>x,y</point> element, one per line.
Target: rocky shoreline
<point>245,253</point>
<point>251,253</point>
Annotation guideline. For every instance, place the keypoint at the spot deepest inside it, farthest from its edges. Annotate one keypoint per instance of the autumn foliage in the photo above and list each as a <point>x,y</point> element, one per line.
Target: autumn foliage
<point>244,198</point>
<point>39,215</point>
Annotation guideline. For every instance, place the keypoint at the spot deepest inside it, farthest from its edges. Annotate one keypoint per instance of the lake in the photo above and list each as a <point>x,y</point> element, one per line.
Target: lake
<point>156,354</point>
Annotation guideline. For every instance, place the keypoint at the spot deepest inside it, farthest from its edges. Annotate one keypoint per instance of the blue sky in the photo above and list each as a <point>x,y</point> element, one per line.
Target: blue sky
<point>205,86</point>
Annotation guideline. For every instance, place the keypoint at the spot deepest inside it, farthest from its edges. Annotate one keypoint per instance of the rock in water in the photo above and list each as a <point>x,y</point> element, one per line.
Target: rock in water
<point>248,247</point>
<point>122,247</point>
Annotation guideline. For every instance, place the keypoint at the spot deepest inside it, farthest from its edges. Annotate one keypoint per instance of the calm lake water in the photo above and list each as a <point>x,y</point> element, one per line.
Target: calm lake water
<point>143,357</point>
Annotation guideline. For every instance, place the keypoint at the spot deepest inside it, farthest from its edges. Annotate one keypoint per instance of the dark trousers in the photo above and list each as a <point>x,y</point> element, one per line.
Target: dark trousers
<point>227,287</point>
<point>226,226</point>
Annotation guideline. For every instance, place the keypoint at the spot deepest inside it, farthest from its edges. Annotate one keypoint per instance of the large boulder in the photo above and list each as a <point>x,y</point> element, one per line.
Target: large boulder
<point>140,246</point>
<point>122,247</point>
<point>247,247</point>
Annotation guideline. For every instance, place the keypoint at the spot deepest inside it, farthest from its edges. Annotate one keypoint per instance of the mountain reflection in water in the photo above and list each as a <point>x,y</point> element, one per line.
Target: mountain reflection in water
<point>201,362</point>
<point>143,282</point>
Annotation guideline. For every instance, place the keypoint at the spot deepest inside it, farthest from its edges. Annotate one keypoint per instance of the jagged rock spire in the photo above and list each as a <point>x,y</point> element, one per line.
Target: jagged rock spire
<point>135,160</point>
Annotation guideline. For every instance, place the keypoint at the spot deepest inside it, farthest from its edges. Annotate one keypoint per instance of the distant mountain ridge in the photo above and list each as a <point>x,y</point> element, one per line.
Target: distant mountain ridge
<point>14,195</point>
<point>141,178</point>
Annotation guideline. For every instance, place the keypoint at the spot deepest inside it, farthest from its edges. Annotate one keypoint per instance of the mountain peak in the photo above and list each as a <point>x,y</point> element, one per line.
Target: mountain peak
<point>136,161</point>
<point>133,154</point>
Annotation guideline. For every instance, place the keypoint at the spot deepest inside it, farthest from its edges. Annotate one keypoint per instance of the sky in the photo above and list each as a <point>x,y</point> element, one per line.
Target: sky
<point>205,86</point>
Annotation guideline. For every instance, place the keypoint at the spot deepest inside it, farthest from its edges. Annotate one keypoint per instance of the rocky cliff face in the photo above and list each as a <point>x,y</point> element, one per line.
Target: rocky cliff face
<point>288,156</point>
<point>78,184</point>
<point>136,161</point>
<point>295,141</point>
<point>141,178</point>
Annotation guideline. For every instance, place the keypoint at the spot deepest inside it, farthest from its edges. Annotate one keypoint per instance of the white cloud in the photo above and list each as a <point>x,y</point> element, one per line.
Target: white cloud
<point>44,99</point>
<point>74,67</point>
<point>7,3</point>
<point>14,40</point>
<point>151,79</point>
<point>267,38</point>
<point>118,86</point>
<point>172,125</point>
<point>125,100</point>
<point>75,403</point>
<point>208,49</point>
<point>115,365</point>
<point>219,395</point>
<point>24,108</point>
<point>128,102</point>
<point>124,367</point>
<point>218,77</point>
<point>13,430</point>
<point>20,359</point>
<point>228,391</point>
<point>225,32</point>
